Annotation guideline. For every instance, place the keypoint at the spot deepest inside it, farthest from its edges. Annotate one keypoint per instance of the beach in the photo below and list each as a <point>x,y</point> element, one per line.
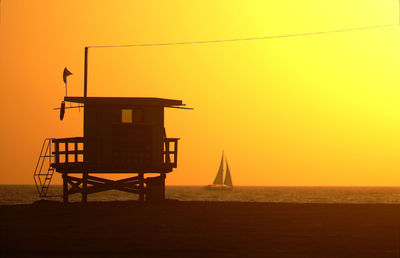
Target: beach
<point>199,229</point>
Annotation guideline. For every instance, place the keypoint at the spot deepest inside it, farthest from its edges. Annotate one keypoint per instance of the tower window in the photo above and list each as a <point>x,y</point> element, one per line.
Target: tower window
<point>126,116</point>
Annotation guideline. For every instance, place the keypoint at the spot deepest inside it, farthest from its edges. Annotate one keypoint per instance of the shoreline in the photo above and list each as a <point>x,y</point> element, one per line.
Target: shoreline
<point>72,204</point>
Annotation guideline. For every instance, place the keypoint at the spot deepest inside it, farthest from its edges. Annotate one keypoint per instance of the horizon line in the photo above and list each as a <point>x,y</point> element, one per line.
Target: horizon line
<point>2,184</point>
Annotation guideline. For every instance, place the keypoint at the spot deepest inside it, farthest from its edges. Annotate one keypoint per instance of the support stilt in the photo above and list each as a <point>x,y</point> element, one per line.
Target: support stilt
<point>150,189</point>
<point>155,188</point>
<point>84,187</point>
<point>163,176</point>
<point>65,187</point>
<point>141,187</point>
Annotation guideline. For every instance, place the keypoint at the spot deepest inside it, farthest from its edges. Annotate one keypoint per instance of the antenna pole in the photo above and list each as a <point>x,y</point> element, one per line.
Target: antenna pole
<point>86,73</point>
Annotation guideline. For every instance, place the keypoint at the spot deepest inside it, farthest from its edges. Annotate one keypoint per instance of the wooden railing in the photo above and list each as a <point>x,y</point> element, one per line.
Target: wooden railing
<point>68,150</point>
<point>171,149</point>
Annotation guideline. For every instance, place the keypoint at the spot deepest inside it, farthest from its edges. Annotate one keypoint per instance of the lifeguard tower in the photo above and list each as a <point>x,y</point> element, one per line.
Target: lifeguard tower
<point>121,136</point>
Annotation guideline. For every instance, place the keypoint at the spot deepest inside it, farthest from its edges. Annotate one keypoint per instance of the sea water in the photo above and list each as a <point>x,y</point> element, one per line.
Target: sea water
<point>25,194</point>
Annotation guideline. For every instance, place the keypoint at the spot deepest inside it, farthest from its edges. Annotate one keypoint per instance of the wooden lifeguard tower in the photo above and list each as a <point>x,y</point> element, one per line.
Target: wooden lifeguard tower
<point>121,136</point>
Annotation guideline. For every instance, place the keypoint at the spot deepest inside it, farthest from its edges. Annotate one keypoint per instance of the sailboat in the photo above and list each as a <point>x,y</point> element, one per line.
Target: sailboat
<point>219,183</point>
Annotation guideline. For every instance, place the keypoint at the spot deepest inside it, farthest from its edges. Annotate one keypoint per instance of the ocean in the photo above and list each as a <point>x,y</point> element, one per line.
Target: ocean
<point>26,194</point>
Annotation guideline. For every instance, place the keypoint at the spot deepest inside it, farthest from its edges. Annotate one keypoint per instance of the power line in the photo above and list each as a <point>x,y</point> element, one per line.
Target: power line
<point>248,39</point>
<point>226,40</point>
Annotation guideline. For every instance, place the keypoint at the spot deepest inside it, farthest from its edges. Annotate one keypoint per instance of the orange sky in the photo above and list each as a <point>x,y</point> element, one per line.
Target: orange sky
<point>316,110</point>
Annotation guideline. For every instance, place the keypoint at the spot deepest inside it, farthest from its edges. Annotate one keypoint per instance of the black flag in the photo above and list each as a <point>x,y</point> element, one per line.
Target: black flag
<point>65,74</point>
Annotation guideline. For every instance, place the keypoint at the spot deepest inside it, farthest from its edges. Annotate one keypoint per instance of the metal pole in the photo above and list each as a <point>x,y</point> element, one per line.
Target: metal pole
<point>86,73</point>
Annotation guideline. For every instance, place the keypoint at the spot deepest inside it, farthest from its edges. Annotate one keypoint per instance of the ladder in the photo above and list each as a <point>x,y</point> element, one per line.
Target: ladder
<point>44,170</point>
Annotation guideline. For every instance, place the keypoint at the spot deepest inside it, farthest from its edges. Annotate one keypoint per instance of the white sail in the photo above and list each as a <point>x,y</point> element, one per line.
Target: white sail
<point>218,179</point>
<point>228,178</point>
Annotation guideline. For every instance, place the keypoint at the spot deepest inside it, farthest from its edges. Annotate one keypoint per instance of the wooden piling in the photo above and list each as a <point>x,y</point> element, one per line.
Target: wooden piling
<point>65,187</point>
<point>141,187</point>
<point>84,187</point>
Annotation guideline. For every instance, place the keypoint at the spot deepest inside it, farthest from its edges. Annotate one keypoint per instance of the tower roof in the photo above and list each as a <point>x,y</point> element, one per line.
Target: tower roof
<point>125,101</point>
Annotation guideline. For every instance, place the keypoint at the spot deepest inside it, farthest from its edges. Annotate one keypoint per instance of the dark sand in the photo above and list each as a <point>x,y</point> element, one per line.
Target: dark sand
<point>200,229</point>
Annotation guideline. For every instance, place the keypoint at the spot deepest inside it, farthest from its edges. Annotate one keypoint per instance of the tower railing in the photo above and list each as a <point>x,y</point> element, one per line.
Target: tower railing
<point>69,150</point>
<point>171,152</point>
<point>69,153</point>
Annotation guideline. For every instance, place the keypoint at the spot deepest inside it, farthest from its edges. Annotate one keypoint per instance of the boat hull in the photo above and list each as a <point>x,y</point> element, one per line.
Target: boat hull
<point>218,187</point>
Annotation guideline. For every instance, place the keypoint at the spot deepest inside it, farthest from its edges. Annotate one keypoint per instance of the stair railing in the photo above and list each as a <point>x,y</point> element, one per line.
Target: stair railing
<point>42,177</point>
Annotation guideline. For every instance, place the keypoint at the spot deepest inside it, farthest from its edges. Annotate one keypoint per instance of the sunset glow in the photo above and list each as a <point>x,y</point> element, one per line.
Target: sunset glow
<point>309,110</point>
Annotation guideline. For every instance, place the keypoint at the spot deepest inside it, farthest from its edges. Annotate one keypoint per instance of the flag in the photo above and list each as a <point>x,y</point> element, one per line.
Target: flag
<point>66,73</point>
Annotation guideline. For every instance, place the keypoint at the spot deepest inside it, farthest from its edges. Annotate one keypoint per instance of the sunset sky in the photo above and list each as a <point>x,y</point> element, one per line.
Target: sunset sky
<point>309,110</point>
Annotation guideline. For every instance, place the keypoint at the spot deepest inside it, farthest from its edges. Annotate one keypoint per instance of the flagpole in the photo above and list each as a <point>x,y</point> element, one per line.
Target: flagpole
<point>86,73</point>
